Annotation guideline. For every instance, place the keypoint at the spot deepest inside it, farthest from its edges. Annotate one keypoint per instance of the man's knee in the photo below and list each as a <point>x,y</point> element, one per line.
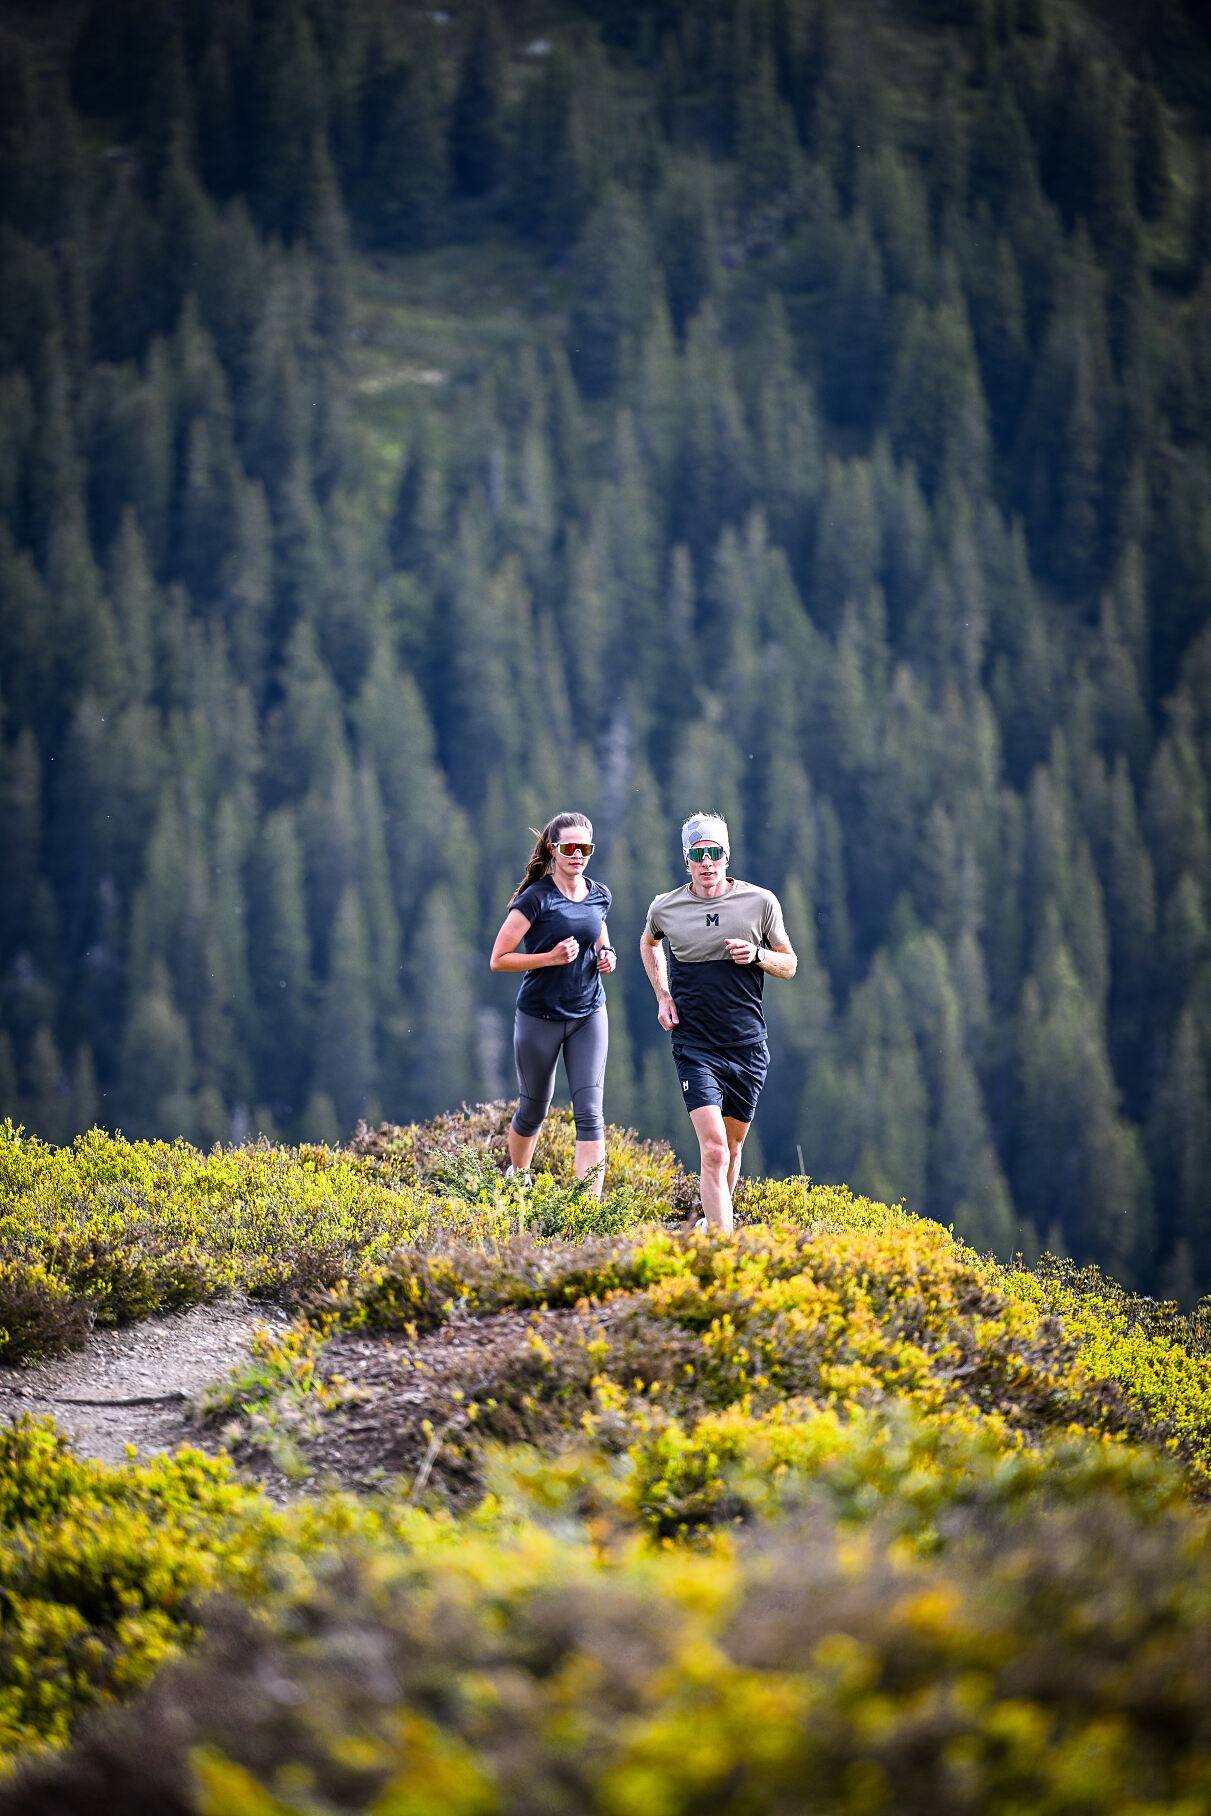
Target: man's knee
<point>714,1152</point>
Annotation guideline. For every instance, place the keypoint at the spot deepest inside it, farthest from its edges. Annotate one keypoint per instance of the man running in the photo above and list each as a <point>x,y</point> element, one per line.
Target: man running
<point>724,936</point>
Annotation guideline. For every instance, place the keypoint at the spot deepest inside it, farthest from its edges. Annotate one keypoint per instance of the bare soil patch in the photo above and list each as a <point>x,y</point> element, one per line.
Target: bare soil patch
<point>431,1398</point>
<point>134,1385</point>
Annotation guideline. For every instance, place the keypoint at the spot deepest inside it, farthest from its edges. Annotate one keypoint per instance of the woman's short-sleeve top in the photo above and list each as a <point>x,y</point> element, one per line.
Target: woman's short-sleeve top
<point>562,992</point>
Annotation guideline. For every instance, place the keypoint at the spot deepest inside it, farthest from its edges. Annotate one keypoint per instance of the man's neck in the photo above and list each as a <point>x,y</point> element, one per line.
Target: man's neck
<point>717,888</point>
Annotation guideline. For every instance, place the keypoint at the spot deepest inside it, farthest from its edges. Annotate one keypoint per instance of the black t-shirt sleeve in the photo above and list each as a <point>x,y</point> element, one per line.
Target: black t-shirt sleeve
<point>530,901</point>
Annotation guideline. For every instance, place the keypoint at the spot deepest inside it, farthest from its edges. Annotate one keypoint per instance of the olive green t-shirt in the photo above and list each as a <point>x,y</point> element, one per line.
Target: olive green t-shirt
<point>718,1002</point>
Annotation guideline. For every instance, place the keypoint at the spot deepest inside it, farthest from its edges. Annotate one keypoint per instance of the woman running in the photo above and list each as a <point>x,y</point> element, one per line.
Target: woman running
<point>555,932</point>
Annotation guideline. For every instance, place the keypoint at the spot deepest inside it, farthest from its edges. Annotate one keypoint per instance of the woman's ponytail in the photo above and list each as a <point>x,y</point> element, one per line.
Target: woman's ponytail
<point>542,855</point>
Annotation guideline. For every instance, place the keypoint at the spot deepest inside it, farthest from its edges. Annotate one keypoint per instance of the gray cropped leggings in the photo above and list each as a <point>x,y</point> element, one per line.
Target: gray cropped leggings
<point>536,1045</point>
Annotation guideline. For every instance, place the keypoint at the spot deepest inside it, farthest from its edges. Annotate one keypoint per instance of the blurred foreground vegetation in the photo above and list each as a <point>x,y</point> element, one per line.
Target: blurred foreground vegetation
<point>835,1515</point>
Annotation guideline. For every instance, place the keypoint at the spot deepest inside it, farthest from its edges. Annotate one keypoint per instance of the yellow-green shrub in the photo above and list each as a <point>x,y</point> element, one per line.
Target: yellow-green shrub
<point>852,1305</point>
<point>1050,1657</point>
<point>102,1572</point>
<point>107,1230</point>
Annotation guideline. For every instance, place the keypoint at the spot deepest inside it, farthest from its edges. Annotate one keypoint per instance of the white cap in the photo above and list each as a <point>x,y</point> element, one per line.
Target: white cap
<point>709,826</point>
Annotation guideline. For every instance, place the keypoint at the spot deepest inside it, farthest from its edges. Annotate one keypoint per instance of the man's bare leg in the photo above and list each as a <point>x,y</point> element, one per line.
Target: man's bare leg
<point>714,1156</point>
<point>736,1132</point>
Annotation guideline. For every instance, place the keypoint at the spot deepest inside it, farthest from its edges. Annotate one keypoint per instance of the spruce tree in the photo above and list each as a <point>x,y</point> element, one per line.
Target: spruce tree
<point>613,278</point>
<point>1180,1142</point>
<point>477,109</point>
<point>281,965</point>
<point>46,1105</point>
<point>687,239</point>
<point>156,1063</point>
<point>440,1006</point>
<point>345,1066</point>
<point>1150,150</point>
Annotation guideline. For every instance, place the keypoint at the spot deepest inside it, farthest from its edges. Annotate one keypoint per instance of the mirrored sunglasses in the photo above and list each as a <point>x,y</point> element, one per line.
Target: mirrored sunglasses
<point>698,854</point>
<point>567,848</point>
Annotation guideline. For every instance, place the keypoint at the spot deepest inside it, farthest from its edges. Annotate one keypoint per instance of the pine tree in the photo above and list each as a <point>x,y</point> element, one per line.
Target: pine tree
<point>221,155</point>
<point>406,161</point>
<point>552,182</point>
<point>305,735</point>
<point>831,904</point>
<point>275,407</point>
<point>853,380</point>
<point>329,822</point>
<point>17,424</point>
<point>345,1062</point>
<point>280,964</point>
<point>936,411</point>
<point>1198,228</point>
<point>245,581</point>
<point>894,197</point>
<point>10,1104</point>
<point>476,112</point>
<point>891,1135</point>
<point>633,538</point>
<point>1180,1143</point>
<point>327,230</point>
<point>716,460</point>
<point>613,276</point>
<point>765,142</point>
<point>848,541</point>
<point>1150,151</point>
<point>156,1064</point>
<point>439,996</point>
<point>21,832</point>
<point>1075,1161</point>
<point>687,240</point>
<point>85,1101</point>
<point>1131,903</point>
<point>395,735</point>
<point>788,440</point>
<point>1176,809</point>
<point>998,308</point>
<point>46,1110</point>
<point>949,150</point>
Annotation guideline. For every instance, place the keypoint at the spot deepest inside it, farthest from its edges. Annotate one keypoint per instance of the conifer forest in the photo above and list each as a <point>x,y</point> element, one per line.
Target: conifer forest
<point>416,421</point>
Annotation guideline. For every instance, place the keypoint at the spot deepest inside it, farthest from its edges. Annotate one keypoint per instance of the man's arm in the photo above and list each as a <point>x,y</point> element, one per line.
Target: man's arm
<point>778,961</point>
<point>655,964</point>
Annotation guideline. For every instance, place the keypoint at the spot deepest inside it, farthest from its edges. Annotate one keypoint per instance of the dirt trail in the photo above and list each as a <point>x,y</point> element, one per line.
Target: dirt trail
<point>133,1385</point>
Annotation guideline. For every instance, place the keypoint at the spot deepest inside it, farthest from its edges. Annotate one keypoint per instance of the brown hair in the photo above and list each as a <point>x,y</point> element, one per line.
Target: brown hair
<point>542,854</point>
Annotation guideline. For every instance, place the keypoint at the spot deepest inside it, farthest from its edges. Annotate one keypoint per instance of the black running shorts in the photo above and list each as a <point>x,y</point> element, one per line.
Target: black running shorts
<point>731,1081</point>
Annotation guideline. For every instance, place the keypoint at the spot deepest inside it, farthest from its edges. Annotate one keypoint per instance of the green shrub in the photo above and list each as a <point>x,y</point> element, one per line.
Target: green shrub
<point>1050,1657</point>
<point>102,1572</point>
<point>108,1230</point>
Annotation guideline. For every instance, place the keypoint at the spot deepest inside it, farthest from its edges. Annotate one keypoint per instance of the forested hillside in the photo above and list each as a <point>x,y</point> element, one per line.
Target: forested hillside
<point>413,422</point>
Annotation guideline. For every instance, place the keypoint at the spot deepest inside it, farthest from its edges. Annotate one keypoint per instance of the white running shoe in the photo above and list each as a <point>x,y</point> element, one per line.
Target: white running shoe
<point>511,1172</point>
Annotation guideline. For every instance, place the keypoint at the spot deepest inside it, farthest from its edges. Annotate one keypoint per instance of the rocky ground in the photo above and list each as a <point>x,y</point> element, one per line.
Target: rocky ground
<point>137,1388</point>
<point>136,1385</point>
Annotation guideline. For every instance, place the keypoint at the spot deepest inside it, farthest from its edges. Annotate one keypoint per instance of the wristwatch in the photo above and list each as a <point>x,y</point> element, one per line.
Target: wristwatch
<point>757,956</point>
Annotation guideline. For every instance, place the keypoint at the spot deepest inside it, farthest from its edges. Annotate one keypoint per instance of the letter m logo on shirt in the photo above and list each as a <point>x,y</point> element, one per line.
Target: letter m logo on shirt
<point>712,920</point>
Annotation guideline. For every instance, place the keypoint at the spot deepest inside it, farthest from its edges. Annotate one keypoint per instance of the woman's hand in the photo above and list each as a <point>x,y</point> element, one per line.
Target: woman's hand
<point>607,960</point>
<point>564,953</point>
